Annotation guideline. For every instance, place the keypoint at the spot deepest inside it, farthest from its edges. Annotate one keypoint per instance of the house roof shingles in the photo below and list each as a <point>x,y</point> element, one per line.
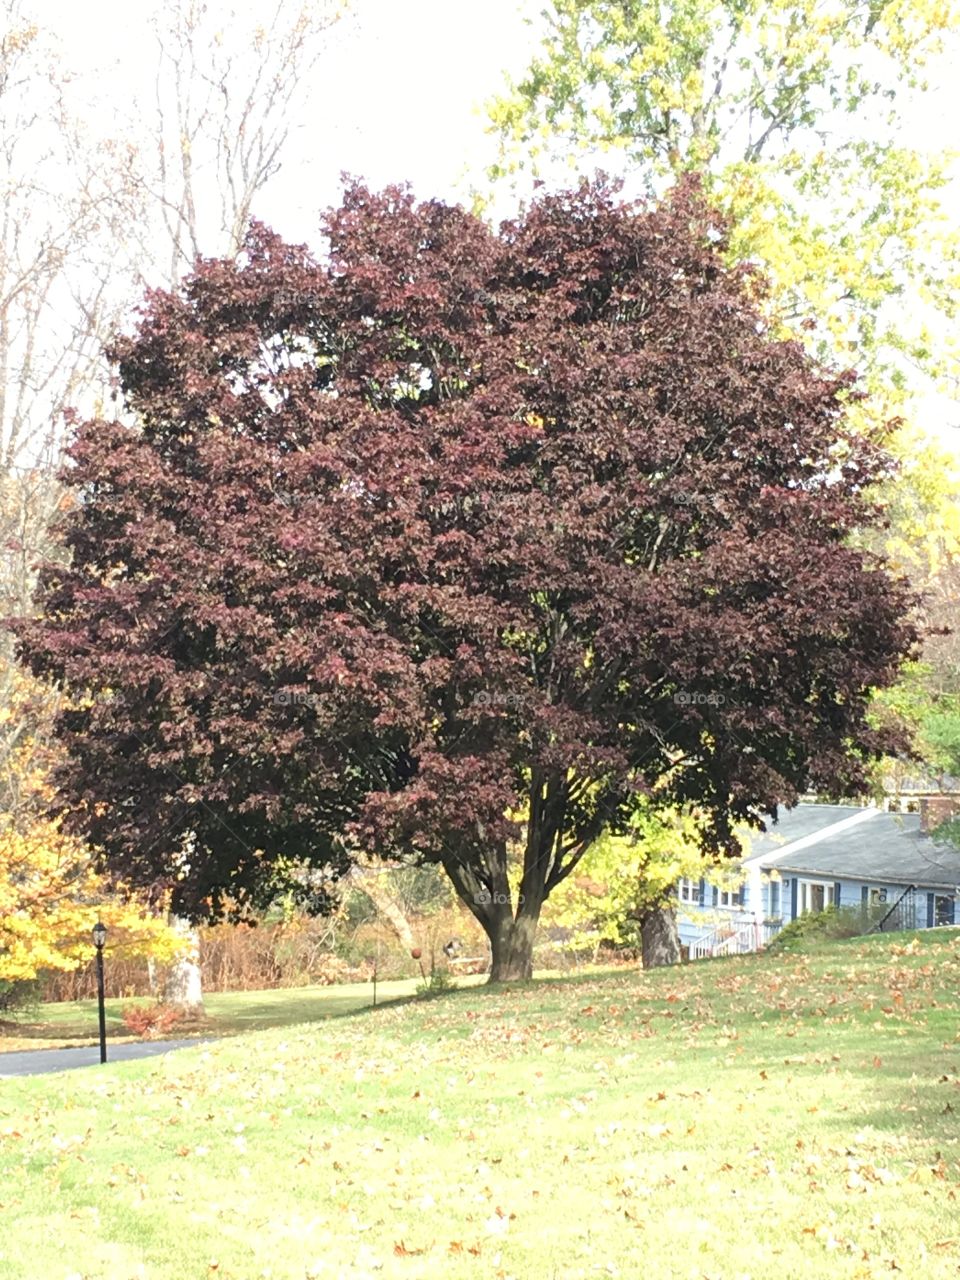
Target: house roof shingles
<point>796,824</point>
<point>879,848</point>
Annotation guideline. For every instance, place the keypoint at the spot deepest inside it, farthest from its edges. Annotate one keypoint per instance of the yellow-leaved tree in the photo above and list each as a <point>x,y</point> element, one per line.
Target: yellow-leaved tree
<point>50,899</point>
<point>624,889</point>
<point>810,123</point>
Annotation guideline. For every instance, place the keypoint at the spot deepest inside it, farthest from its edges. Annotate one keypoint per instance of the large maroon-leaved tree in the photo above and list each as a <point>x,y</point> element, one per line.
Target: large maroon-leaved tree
<point>451,545</point>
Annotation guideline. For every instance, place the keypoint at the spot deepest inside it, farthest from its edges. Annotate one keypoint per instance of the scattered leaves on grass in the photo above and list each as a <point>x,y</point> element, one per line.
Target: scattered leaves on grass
<point>402,1251</point>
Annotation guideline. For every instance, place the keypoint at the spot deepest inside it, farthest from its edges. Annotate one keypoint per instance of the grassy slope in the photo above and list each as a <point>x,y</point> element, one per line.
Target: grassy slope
<point>751,1117</point>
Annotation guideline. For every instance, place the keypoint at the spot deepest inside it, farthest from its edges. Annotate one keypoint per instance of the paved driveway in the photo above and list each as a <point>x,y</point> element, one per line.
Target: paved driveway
<point>35,1062</point>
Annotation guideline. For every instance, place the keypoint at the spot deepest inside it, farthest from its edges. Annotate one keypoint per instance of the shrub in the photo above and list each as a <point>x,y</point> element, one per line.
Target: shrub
<point>150,1020</point>
<point>819,926</point>
<point>21,996</point>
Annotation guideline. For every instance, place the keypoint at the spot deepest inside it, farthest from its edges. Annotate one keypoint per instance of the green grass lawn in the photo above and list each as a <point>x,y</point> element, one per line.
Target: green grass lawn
<point>75,1022</point>
<point>746,1118</point>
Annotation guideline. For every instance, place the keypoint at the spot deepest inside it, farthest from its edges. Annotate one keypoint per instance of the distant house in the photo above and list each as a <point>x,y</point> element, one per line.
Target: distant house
<point>885,863</point>
<point>905,790</point>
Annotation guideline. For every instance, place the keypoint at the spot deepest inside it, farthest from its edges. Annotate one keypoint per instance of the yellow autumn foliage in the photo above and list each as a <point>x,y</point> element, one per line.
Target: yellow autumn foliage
<point>621,877</point>
<point>50,899</point>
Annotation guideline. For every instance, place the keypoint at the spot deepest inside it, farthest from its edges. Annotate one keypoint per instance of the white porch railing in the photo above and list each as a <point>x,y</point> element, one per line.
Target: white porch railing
<point>728,939</point>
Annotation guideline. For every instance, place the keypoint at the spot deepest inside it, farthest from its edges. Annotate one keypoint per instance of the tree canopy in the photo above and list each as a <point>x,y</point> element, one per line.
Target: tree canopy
<point>802,116</point>
<point>50,894</point>
<point>452,544</point>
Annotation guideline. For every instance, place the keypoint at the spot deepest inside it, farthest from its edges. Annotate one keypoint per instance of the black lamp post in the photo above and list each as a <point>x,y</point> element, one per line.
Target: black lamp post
<point>99,938</point>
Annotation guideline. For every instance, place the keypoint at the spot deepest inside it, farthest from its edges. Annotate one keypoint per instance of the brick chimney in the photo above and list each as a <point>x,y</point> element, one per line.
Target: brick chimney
<point>937,809</point>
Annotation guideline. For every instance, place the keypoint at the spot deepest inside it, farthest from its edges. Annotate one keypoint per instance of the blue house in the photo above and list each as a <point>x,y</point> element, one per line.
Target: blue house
<point>817,855</point>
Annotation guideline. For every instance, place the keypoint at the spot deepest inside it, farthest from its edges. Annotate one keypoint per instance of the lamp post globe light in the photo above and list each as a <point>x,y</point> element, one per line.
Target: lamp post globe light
<point>99,939</point>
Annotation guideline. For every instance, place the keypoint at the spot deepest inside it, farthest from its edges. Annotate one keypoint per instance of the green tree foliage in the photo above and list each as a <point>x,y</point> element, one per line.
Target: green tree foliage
<point>798,112</point>
<point>923,540</point>
<point>925,704</point>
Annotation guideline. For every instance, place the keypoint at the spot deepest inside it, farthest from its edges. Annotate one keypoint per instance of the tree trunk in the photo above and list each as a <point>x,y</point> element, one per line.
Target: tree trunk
<point>184,986</point>
<point>483,886</point>
<point>660,939</point>
<point>511,942</point>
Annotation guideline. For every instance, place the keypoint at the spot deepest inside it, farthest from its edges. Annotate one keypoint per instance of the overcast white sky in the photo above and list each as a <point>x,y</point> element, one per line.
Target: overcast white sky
<point>398,97</point>
<point>399,94</point>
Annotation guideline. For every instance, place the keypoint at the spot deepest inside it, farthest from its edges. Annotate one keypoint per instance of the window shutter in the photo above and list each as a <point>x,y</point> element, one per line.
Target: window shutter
<point>929,910</point>
<point>836,893</point>
<point>702,892</point>
<point>716,895</point>
<point>793,898</point>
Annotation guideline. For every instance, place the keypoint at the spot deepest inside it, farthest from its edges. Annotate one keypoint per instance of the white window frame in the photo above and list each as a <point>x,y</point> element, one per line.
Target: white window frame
<point>729,899</point>
<point>688,891</point>
<point>804,895</point>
